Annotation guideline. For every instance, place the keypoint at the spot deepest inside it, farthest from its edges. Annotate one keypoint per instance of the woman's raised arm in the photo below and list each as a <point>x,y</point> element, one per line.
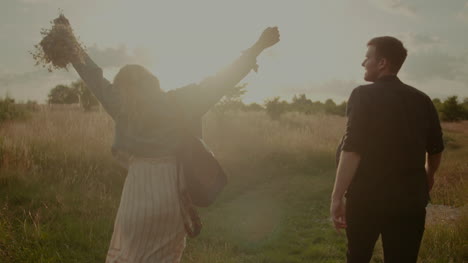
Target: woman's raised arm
<point>92,75</point>
<point>200,98</point>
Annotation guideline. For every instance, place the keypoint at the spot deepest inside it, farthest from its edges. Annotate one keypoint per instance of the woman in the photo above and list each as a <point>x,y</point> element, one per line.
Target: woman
<point>149,127</point>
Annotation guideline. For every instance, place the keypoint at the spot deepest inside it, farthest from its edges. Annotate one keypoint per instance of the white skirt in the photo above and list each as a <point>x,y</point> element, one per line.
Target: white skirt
<point>149,226</point>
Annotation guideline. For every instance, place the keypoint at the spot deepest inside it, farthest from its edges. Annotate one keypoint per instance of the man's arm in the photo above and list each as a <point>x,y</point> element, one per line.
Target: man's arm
<point>434,145</point>
<point>200,98</point>
<point>432,164</point>
<point>353,146</point>
<point>349,162</point>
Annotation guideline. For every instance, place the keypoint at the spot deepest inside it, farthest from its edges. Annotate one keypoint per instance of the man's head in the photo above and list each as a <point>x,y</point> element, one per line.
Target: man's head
<point>385,56</point>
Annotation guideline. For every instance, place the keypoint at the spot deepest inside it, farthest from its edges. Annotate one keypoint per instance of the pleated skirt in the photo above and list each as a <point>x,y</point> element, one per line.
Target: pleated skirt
<point>149,225</point>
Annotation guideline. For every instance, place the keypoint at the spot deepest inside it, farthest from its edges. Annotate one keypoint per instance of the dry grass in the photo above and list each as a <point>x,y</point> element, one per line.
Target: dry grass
<point>60,190</point>
<point>451,181</point>
<point>295,139</point>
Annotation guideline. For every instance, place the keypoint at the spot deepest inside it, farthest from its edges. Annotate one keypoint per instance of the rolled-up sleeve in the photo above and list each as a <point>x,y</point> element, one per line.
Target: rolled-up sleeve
<point>104,91</point>
<point>357,123</point>
<point>435,142</point>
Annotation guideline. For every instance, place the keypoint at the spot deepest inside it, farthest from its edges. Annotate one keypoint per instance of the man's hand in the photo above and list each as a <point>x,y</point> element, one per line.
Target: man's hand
<point>338,212</point>
<point>430,180</point>
<point>349,162</point>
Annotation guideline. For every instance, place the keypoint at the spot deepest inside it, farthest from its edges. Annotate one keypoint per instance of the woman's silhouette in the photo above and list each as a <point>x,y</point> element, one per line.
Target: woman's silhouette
<point>149,128</point>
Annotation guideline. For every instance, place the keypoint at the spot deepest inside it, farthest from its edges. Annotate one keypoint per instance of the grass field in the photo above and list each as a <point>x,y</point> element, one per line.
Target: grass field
<point>60,188</point>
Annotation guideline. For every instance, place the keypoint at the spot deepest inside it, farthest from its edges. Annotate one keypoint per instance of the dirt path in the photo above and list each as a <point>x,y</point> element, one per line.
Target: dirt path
<point>442,214</point>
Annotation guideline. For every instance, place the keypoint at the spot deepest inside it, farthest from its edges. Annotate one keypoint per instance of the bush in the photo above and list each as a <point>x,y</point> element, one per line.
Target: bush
<point>465,108</point>
<point>437,104</point>
<point>254,107</point>
<point>31,105</point>
<point>451,110</point>
<point>300,103</point>
<point>10,111</point>
<point>275,107</point>
<point>231,101</point>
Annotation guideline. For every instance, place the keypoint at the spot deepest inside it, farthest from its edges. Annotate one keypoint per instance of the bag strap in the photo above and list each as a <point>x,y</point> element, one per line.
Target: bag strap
<point>190,217</point>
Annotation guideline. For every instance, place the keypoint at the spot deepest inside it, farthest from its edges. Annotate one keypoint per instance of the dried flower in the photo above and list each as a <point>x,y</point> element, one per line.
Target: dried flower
<point>58,47</point>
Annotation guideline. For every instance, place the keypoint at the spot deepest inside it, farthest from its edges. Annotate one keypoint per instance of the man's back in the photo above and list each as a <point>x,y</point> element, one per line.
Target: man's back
<point>394,126</point>
<point>391,127</point>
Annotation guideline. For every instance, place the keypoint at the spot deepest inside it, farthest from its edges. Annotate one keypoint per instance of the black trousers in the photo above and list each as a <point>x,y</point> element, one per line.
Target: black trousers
<point>401,231</point>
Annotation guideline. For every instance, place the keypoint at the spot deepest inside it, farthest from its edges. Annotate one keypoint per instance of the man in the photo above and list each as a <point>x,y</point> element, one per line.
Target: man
<point>389,155</point>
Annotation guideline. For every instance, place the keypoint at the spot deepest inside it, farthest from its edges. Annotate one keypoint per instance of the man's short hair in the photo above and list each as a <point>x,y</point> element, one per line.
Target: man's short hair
<point>391,49</point>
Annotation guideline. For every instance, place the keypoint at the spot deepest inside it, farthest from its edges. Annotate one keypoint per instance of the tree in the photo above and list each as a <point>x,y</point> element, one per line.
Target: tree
<point>330,107</point>
<point>86,97</point>
<point>253,107</point>
<point>451,110</point>
<point>301,103</point>
<point>465,108</point>
<point>232,101</point>
<point>437,104</point>
<point>63,94</point>
<point>275,107</point>
<point>341,109</point>
<point>317,106</point>
<point>10,110</point>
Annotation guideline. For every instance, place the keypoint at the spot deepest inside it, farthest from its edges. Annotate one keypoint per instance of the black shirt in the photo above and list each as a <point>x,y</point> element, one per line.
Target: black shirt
<point>392,126</point>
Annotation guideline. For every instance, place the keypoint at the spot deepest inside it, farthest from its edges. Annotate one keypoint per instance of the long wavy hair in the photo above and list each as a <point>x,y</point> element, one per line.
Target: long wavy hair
<point>137,88</point>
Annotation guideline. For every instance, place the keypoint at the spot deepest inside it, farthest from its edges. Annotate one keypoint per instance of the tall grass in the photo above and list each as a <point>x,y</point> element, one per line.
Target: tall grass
<point>451,182</point>
<point>60,189</point>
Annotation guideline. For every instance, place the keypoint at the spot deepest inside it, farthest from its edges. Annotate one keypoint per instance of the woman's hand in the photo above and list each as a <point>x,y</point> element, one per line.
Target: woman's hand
<point>269,37</point>
<point>65,31</point>
<point>58,47</point>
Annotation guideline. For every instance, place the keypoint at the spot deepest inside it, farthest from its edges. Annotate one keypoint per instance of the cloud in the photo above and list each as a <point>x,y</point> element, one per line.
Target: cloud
<point>35,1</point>
<point>436,64</point>
<point>33,85</point>
<point>118,57</point>
<point>463,14</point>
<point>395,7</point>
<point>36,84</point>
<point>442,88</point>
<point>419,42</point>
<point>429,61</point>
<point>38,1</point>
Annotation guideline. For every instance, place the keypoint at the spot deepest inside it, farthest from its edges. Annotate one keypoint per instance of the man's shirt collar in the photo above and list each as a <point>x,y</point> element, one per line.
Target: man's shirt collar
<point>387,78</point>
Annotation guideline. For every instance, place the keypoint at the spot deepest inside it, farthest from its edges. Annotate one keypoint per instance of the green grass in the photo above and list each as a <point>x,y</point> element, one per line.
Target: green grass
<point>444,243</point>
<point>60,190</point>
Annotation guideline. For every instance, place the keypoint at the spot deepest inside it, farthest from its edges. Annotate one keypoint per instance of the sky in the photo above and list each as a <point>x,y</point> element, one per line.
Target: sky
<point>322,42</point>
